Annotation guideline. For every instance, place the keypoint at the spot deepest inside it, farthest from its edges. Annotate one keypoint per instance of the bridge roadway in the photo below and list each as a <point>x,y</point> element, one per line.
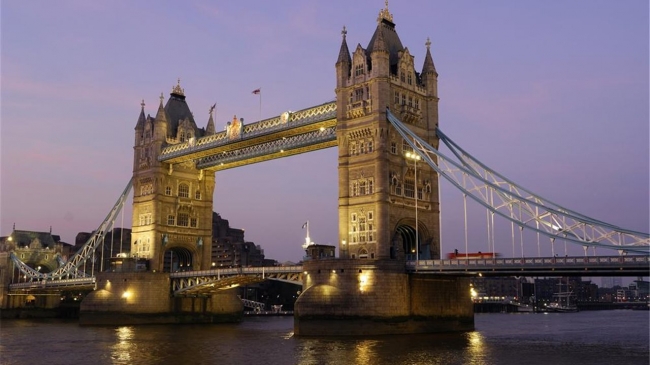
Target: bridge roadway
<point>632,265</point>
<point>204,282</point>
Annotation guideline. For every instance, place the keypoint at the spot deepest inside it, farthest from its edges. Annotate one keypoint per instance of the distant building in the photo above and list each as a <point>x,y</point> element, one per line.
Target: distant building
<point>230,249</point>
<point>37,249</point>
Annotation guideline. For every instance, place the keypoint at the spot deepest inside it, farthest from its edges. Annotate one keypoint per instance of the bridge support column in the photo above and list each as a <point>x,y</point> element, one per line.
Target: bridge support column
<point>358,297</point>
<point>145,298</point>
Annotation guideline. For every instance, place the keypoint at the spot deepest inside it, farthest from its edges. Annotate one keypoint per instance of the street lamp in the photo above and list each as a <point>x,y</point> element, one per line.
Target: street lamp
<point>415,157</point>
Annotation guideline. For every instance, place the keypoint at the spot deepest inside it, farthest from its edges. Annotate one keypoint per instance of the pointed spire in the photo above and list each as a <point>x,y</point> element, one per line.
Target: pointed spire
<point>141,118</point>
<point>161,115</point>
<point>429,67</point>
<point>209,129</point>
<point>379,44</point>
<point>344,53</point>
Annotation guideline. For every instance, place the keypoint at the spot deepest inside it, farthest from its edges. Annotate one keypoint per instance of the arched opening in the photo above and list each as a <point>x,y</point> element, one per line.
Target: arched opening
<point>408,235</point>
<point>177,259</point>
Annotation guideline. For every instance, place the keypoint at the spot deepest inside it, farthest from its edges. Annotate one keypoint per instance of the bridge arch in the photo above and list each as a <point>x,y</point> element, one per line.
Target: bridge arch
<point>405,236</point>
<point>179,258</point>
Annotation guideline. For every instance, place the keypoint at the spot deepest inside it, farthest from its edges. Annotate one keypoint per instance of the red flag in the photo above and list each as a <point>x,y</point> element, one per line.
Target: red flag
<point>257,91</point>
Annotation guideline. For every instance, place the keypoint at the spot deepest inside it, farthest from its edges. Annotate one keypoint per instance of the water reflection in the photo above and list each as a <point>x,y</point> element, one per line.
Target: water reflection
<point>121,350</point>
<point>476,349</point>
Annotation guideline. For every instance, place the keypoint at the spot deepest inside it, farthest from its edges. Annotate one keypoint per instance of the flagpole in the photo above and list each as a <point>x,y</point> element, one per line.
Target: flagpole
<point>260,104</point>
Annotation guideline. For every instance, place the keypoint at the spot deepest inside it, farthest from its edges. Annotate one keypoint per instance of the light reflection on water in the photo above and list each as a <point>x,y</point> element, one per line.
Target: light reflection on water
<point>602,337</point>
<point>121,351</point>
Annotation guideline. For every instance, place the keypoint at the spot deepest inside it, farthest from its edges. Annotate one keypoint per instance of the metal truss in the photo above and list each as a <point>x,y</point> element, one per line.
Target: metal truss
<point>278,146</point>
<point>516,204</point>
<point>207,282</point>
<point>70,269</point>
<point>284,122</point>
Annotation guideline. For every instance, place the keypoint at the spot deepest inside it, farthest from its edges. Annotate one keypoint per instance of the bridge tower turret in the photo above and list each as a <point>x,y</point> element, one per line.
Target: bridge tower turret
<point>378,185</point>
<point>172,204</point>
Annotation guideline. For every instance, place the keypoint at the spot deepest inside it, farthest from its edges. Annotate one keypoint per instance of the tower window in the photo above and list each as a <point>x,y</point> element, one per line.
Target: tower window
<point>193,222</point>
<point>358,70</point>
<point>183,219</point>
<point>409,79</point>
<point>393,148</point>
<point>409,188</point>
<point>168,190</point>
<point>396,97</point>
<point>362,188</point>
<point>369,146</point>
<point>403,99</point>
<point>353,148</point>
<point>370,189</point>
<point>171,220</point>
<point>183,191</point>
<point>417,104</point>
<point>401,76</point>
<point>197,195</point>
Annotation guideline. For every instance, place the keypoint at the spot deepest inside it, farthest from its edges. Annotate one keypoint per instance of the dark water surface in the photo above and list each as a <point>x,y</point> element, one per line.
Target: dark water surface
<point>593,337</point>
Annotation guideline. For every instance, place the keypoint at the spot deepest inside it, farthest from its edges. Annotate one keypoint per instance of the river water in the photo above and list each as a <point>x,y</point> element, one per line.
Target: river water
<point>588,337</point>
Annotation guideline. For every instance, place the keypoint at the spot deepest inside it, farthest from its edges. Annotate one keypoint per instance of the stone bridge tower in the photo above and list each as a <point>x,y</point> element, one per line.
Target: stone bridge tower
<point>368,291</point>
<point>172,204</point>
<point>378,186</point>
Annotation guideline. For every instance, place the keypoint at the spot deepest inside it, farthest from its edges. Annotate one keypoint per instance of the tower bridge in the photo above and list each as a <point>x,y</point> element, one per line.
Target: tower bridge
<point>390,276</point>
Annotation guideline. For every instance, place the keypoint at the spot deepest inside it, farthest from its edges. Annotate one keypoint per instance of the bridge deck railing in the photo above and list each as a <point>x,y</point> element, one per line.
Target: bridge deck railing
<point>239,270</point>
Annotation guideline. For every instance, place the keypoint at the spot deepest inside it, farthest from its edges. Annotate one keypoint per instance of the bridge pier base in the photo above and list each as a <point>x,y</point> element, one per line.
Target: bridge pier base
<point>364,297</point>
<point>145,298</point>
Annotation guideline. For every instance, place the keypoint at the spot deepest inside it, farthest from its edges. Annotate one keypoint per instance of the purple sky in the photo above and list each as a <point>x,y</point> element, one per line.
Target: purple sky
<point>554,95</point>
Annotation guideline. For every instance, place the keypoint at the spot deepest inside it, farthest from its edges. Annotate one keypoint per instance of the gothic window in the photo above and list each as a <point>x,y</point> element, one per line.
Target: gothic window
<point>182,137</point>
<point>358,94</point>
<point>371,184</point>
<point>370,146</point>
<point>183,219</point>
<point>396,97</point>
<point>401,76</point>
<point>362,147</point>
<point>403,99</point>
<point>409,188</point>
<point>168,190</point>
<point>351,98</point>
<point>406,147</point>
<point>197,195</point>
<point>419,193</point>
<point>398,189</point>
<point>145,219</point>
<point>362,225</point>
<point>358,70</point>
<point>417,104</point>
<point>362,188</point>
<point>410,78</point>
<point>363,254</point>
<point>171,220</point>
<point>193,222</point>
<point>355,188</point>
<point>410,101</point>
<point>183,191</point>
<point>393,148</point>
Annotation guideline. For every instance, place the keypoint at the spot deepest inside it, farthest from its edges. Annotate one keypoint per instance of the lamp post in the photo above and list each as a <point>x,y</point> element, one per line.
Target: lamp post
<point>415,157</point>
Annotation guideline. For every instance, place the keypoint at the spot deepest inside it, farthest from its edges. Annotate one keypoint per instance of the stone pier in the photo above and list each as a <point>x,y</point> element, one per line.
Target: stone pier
<point>145,298</point>
<point>376,297</point>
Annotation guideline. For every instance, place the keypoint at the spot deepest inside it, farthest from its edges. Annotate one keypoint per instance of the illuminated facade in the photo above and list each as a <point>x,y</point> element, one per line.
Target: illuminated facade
<point>378,186</point>
<point>172,204</point>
